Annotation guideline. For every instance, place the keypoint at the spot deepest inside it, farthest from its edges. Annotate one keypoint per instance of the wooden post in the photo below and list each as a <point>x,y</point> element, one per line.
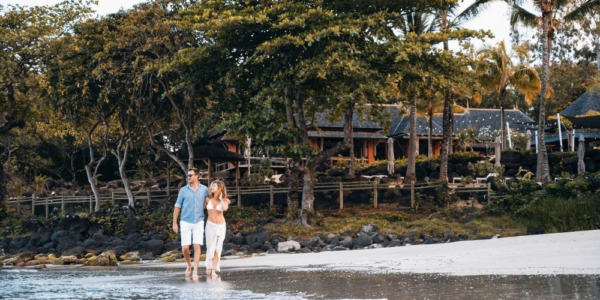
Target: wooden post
<point>272,194</point>
<point>341,196</point>
<point>32,205</point>
<point>91,209</point>
<point>62,205</point>
<point>412,194</point>
<point>237,184</point>
<point>149,198</point>
<point>47,208</point>
<point>375,193</point>
<point>18,206</point>
<point>489,191</point>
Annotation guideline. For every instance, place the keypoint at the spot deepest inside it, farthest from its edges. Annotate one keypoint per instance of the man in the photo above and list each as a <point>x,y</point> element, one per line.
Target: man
<point>190,202</point>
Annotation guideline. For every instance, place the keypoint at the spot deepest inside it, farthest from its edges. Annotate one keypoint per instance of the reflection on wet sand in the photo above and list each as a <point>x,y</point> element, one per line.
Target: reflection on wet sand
<point>337,285</point>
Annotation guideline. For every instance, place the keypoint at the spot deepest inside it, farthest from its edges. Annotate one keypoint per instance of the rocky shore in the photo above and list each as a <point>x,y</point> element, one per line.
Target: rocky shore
<point>79,241</point>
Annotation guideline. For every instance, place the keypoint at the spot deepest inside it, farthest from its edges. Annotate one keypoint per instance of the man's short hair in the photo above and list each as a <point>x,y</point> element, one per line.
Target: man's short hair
<point>194,169</point>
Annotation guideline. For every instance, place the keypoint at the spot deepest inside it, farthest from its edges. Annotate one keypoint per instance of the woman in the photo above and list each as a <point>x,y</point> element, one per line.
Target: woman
<point>216,203</point>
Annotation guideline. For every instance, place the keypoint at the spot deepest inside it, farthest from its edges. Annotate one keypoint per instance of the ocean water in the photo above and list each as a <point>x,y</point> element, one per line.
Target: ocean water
<point>167,283</point>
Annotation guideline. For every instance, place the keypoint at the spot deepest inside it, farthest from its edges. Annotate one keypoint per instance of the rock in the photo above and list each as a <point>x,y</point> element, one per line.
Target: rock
<point>130,262</point>
<point>263,236</point>
<point>75,224</point>
<point>32,225</point>
<point>32,263</point>
<point>369,228</point>
<point>166,259</point>
<point>238,239</point>
<point>76,251</point>
<point>288,246</point>
<point>132,225</point>
<point>347,242</point>
<point>339,248</point>
<point>66,260</point>
<point>130,256</point>
<point>152,246</point>
<point>362,241</point>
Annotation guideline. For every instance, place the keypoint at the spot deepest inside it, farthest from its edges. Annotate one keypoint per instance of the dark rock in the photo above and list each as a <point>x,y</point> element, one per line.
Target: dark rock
<point>32,225</point>
<point>251,239</point>
<point>132,225</point>
<point>41,237</point>
<point>75,224</point>
<point>394,243</point>
<point>256,245</point>
<point>347,242</point>
<point>172,246</point>
<point>155,247</point>
<point>339,248</point>
<point>161,236</point>
<point>238,239</point>
<point>263,236</point>
<point>536,230</point>
<point>331,239</point>
<point>362,241</point>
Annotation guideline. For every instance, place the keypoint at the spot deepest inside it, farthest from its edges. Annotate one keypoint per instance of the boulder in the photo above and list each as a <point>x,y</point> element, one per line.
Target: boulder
<point>130,256</point>
<point>288,246</point>
<point>152,246</point>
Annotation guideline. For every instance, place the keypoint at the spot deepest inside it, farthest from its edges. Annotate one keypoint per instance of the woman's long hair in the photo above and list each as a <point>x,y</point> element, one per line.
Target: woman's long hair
<point>221,192</point>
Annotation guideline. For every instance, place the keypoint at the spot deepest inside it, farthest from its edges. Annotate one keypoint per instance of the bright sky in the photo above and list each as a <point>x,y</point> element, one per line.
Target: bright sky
<point>495,18</point>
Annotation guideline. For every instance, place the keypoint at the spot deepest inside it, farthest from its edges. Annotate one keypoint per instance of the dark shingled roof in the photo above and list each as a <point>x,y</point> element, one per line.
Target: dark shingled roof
<point>481,119</point>
<point>585,103</point>
<point>588,135</point>
<point>364,122</point>
<point>340,134</point>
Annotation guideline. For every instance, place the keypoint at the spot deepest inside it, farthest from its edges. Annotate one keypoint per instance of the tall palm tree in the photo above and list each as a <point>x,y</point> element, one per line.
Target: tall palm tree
<point>548,12</point>
<point>497,73</point>
<point>431,105</point>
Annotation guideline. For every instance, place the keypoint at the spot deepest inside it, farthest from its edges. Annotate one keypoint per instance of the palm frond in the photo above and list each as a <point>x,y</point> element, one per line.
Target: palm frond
<point>474,9</point>
<point>588,7</point>
<point>520,15</point>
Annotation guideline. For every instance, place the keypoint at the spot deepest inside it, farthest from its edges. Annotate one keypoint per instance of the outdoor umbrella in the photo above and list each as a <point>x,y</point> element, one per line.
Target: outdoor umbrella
<point>390,166</point>
<point>580,155</point>
<point>497,152</point>
<point>528,145</point>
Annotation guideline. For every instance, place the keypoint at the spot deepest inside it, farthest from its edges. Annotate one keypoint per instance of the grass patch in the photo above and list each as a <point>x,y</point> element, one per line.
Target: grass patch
<point>558,214</point>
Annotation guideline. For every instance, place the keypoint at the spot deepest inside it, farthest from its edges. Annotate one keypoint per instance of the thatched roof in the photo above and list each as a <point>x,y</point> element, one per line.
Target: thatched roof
<point>579,111</point>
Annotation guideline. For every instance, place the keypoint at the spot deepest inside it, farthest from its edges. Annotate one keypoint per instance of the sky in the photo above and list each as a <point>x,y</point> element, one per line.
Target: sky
<point>495,18</point>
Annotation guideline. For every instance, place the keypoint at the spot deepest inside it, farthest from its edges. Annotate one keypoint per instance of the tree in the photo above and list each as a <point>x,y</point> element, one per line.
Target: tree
<point>27,33</point>
<point>497,73</point>
<point>548,12</point>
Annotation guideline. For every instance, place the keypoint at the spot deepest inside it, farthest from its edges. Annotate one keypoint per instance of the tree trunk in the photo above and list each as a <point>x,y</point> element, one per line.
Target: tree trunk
<point>502,131</point>
<point>446,138</point>
<point>352,162</point>
<point>411,164</point>
<point>122,160</point>
<point>3,203</point>
<point>542,171</point>
<point>293,196</point>
<point>90,175</point>
<point>429,143</point>
<point>307,214</point>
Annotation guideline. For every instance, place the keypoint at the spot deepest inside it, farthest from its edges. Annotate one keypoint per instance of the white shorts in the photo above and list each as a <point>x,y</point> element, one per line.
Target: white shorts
<point>191,233</point>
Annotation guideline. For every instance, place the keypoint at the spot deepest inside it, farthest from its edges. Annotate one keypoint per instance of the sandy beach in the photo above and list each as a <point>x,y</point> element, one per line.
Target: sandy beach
<point>559,253</point>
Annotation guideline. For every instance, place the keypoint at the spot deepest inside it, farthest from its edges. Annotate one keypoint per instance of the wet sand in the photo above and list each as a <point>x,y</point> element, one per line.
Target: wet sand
<point>573,253</point>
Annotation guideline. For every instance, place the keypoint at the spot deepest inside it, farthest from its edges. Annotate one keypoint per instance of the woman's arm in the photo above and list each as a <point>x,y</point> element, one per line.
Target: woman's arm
<point>225,203</point>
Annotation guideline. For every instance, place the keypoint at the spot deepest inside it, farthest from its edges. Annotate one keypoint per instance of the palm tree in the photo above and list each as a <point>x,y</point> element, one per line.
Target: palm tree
<point>546,16</point>
<point>431,105</point>
<point>497,73</point>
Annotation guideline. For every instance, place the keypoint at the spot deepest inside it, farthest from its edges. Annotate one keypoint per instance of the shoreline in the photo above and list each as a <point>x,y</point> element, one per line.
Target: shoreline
<point>572,253</point>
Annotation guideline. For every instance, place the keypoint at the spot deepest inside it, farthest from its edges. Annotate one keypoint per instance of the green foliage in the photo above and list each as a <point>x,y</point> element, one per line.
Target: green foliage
<point>517,196</point>
<point>519,140</point>
<point>484,168</point>
<point>466,138</point>
<point>562,214</point>
<point>258,174</point>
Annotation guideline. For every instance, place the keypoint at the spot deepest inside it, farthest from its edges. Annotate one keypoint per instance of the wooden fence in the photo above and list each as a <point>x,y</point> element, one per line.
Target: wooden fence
<point>25,205</point>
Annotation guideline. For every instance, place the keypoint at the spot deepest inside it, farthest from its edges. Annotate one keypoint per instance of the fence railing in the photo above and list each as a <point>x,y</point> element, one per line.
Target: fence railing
<point>25,205</point>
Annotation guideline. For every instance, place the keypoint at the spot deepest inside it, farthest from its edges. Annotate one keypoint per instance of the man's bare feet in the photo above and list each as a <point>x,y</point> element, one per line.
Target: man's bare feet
<point>188,270</point>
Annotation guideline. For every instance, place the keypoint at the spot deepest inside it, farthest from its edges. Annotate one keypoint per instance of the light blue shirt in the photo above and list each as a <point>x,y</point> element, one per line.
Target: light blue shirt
<point>192,203</point>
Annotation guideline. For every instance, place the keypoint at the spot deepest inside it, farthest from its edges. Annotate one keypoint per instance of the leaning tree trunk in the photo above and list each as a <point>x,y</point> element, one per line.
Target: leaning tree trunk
<point>122,160</point>
<point>293,195</point>
<point>308,215</point>
<point>412,147</point>
<point>542,171</point>
<point>446,138</point>
<point>90,175</point>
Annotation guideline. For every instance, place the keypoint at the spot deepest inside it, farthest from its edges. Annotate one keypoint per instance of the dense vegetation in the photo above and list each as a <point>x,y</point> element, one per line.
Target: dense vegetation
<point>86,98</point>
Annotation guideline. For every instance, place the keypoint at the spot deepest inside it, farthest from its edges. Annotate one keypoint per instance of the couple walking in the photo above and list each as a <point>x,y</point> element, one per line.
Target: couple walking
<point>191,202</point>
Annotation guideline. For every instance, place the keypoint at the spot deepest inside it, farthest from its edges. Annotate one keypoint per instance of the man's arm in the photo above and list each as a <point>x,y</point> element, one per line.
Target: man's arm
<point>175,216</point>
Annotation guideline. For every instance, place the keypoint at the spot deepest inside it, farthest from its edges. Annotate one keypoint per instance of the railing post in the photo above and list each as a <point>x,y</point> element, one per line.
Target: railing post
<point>32,205</point>
<point>341,196</point>
<point>62,205</point>
<point>412,194</point>
<point>46,208</point>
<point>272,195</point>
<point>489,192</point>
<point>91,209</point>
<point>148,195</point>
<point>375,193</point>
<point>18,206</point>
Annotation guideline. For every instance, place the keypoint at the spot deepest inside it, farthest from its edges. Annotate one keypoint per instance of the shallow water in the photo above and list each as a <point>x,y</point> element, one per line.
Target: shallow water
<point>149,283</point>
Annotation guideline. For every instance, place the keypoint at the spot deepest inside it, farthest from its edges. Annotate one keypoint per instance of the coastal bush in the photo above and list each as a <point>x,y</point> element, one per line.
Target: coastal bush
<point>560,214</point>
<point>517,194</point>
